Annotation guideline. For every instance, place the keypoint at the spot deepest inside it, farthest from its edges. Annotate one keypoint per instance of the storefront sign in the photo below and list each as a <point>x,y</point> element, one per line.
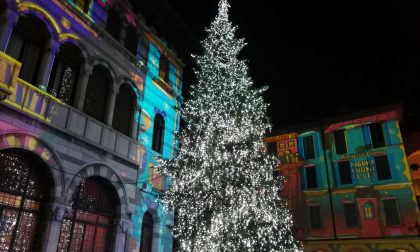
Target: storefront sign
<point>360,155</point>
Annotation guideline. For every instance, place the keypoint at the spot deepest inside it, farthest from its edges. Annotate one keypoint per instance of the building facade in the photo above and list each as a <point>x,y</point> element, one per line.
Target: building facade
<point>88,100</point>
<point>348,183</point>
<point>412,146</point>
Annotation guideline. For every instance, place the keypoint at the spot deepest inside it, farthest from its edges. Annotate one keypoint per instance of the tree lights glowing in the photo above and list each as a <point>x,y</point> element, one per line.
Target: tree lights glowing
<point>222,178</point>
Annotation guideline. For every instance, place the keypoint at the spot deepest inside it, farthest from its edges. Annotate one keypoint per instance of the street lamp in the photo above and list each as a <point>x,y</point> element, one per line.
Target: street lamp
<point>4,93</point>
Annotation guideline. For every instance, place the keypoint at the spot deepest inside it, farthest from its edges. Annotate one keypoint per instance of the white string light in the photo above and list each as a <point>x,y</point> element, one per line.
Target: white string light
<point>222,177</point>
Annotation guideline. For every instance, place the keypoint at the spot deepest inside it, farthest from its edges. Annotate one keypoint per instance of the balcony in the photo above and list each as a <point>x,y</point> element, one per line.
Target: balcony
<point>38,104</point>
<point>164,86</point>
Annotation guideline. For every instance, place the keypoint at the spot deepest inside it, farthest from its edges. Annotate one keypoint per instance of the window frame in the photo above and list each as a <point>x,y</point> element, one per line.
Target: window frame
<point>60,63</point>
<point>368,135</point>
<point>355,211</point>
<point>131,42</point>
<point>116,121</point>
<point>158,138</point>
<point>388,166</point>
<point>341,177</point>
<point>314,171</point>
<point>87,215</point>
<point>385,219</point>
<point>306,144</point>
<point>368,214</point>
<point>344,145</point>
<point>24,199</point>
<point>321,224</point>
<point>106,96</point>
<point>31,66</point>
<point>164,68</point>
<point>149,245</point>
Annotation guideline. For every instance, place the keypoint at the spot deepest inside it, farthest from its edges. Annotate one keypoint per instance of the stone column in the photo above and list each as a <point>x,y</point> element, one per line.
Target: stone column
<point>47,64</point>
<point>8,22</point>
<point>85,73</point>
<point>53,226</point>
<point>111,104</point>
<point>122,232</point>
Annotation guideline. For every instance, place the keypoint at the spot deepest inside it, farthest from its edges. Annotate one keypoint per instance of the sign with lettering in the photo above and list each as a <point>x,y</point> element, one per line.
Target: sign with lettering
<point>363,154</point>
<point>362,165</point>
<point>363,169</point>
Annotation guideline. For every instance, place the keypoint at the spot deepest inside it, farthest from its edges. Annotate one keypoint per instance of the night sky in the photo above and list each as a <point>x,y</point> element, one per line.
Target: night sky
<point>323,59</point>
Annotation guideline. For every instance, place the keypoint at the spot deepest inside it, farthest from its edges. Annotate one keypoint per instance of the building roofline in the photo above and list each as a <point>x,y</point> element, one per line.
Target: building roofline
<point>316,124</point>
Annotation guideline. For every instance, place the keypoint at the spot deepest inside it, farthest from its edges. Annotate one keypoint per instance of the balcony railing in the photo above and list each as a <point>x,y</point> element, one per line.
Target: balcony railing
<point>9,72</point>
<point>164,86</point>
<point>32,101</point>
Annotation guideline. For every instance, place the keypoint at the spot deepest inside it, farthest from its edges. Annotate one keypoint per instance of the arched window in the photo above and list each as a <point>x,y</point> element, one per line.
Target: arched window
<point>131,41</point>
<point>113,24</point>
<point>24,192</point>
<point>27,44</point>
<point>83,5</point>
<point>89,226</point>
<point>158,133</point>
<point>65,73</point>
<point>146,233</point>
<point>97,93</point>
<point>124,110</point>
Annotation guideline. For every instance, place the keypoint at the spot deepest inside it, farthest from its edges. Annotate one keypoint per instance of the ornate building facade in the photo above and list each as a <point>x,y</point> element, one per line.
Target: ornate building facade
<point>88,100</point>
<point>348,183</point>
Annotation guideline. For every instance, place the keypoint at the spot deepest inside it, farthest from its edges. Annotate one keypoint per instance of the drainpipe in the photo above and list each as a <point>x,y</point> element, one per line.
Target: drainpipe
<point>328,179</point>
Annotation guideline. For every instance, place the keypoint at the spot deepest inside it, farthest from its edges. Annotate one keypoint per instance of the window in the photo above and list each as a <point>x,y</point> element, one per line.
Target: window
<point>158,133</point>
<point>315,217</point>
<point>344,172</point>
<point>375,137</point>
<point>27,44</point>
<point>83,5</point>
<point>131,41</point>
<point>113,24</point>
<point>65,72</point>
<point>281,145</point>
<point>311,178</point>
<point>143,50</point>
<point>24,191</point>
<point>391,212</point>
<point>368,210</point>
<point>351,214</point>
<point>382,168</point>
<point>147,233</point>
<point>89,225</point>
<point>124,110</point>
<point>308,147</point>
<point>291,144</point>
<point>97,93</point>
<point>164,68</point>
<point>340,142</point>
<point>272,148</point>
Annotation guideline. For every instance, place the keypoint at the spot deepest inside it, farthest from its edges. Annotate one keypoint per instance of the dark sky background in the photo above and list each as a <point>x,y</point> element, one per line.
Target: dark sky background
<point>323,59</point>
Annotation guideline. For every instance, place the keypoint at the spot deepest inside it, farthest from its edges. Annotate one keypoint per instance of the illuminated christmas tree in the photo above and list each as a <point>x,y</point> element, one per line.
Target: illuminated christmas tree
<point>222,178</point>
